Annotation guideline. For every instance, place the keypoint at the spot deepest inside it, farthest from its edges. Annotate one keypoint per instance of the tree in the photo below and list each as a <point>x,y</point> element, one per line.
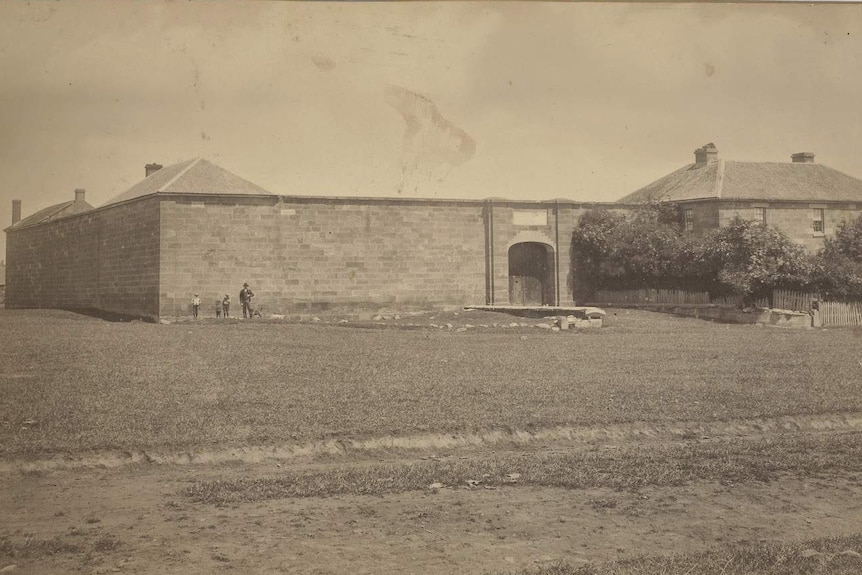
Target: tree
<point>847,241</point>
<point>752,259</point>
<point>838,266</point>
<point>591,241</point>
<point>612,251</point>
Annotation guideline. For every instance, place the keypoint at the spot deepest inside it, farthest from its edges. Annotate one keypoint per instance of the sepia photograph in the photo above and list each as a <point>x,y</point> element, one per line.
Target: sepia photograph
<point>432,287</point>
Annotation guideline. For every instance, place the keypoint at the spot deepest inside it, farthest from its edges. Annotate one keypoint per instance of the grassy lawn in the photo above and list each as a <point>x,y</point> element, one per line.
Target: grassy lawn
<point>71,383</point>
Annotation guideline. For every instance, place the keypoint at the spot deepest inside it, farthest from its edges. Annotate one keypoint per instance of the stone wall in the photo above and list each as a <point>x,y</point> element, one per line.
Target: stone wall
<point>302,254</point>
<point>550,223</point>
<point>794,219</point>
<point>101,260</point>
<point>148,257</point>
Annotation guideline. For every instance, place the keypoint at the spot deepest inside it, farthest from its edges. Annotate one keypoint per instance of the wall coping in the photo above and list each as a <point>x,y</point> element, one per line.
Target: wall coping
<point>339,200</point>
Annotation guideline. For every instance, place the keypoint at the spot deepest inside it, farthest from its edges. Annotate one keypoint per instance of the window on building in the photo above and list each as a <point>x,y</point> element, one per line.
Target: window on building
<point>760,215</point>
<point>688,219</point>
<point>817,221</point>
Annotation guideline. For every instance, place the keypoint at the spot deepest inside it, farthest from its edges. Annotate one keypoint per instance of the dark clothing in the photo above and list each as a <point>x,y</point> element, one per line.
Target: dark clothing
<point>245,296</point>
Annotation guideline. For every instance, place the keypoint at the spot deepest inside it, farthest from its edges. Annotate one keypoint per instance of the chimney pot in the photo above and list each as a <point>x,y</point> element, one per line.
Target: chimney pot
<point>803,158</point>
<point>150,168</point>
<point>16,211</point>
<point>79,194</point>
<point>706,155</point>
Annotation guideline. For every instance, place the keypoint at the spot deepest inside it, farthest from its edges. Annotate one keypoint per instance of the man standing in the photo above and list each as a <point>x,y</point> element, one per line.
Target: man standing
<point>196,303</point>
<point>245,296</point>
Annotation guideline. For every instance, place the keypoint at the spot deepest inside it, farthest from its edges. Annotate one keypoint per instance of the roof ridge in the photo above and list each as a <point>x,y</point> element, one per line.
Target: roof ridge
<point>183,172</point>
<point>719,179</point>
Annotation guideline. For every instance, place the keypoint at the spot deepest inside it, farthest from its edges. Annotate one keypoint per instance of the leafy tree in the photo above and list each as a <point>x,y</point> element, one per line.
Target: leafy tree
<point>838,267</point>
<point>648,250</point>
<point>612,251</point>
<point>752,259</point>
<point>847,241</point>
<point>591,246</point>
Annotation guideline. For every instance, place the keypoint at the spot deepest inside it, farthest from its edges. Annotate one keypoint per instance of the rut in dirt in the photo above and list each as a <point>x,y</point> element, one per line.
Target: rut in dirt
<point>429,442</point>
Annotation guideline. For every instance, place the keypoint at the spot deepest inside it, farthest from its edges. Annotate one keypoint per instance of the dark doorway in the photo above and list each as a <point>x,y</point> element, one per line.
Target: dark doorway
<point>531,274</point>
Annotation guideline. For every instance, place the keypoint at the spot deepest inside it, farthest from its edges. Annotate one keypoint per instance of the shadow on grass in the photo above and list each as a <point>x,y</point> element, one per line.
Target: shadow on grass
<point>110,316</point>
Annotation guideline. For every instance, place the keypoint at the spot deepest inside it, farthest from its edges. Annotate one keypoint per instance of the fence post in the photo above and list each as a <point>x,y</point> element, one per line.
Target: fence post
<point>816,320</point>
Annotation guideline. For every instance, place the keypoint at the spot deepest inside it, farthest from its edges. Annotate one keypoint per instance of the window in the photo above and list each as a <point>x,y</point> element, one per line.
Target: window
<point>688,219</point>
<point>817,221</point>
<point>760,215</point>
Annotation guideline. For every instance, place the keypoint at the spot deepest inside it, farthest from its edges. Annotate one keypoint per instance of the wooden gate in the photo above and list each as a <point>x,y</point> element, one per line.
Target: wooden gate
<point>531,274</point>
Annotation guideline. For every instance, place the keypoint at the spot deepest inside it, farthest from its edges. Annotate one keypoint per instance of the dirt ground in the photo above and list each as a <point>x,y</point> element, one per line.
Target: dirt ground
<point>134,518</point>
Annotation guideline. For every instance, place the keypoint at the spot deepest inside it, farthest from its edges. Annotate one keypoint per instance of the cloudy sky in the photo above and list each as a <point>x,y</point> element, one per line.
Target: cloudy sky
<point>441,100</point>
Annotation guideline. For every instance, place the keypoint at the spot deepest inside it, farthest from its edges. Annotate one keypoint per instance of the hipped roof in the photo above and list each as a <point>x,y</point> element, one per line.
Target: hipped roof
<point>61,210</point>
<point>731,180</point>
<point>197,176</point>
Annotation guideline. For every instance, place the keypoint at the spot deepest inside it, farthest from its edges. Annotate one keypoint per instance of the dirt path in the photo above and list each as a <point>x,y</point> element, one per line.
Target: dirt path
<point>133,519</point>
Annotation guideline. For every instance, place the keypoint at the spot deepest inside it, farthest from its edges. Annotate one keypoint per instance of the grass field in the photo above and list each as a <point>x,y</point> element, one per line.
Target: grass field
<point>658,445</point>
<point>73,383</point>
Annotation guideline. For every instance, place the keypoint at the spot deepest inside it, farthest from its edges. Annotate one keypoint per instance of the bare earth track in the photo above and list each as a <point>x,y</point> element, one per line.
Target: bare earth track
<point>138,518</point>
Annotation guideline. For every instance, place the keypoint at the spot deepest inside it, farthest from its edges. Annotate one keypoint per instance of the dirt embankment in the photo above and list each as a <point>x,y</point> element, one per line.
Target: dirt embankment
<point>431,442</point>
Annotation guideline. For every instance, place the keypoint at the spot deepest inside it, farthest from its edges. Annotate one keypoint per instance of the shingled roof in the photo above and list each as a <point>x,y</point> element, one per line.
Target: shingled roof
<point>197,176</point>
<point>61,210</point>
<point>731,180</point>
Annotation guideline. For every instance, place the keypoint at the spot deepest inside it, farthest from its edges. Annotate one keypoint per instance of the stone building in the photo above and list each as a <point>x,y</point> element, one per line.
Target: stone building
<point>804,200</point>
<point>194,227</point>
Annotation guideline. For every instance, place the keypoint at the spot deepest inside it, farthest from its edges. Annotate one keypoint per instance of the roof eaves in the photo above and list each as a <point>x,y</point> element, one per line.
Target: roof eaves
<point>45,214</point>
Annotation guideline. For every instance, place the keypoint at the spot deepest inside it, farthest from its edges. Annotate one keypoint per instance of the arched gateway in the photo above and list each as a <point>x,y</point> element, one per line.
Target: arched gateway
<point>531,274</point>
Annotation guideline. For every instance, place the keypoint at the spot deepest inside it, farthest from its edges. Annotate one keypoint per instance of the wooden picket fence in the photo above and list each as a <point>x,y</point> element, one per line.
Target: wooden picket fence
<point>793,300</point>
<point>831,313</point>
<point>647,295</point>
<point>840,314</point>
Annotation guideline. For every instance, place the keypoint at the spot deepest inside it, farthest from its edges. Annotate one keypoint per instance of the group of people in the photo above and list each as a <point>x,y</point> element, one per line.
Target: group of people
<point>222,307</point>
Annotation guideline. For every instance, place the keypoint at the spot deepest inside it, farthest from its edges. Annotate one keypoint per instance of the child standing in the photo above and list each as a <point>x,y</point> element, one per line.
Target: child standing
<point>196,303</point>
<point>218,308</point>
<point>225,305</point>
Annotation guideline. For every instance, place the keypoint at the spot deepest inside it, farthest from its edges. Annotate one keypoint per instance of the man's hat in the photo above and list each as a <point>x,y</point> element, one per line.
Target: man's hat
<point>244,285</point>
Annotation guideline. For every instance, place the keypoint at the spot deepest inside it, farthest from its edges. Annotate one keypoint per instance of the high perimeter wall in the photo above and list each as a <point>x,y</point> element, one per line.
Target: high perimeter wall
<point>302,254</point>
<point>104,260</point>
<point>149,256</point>
<point>318,253</point>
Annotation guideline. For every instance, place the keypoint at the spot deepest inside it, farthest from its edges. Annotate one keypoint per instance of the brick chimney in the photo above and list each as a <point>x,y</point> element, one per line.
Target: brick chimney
<point>79,194</point>
<point>151,168</point>
<point>706,155</point>
<point>16,211</point>
<point>803,158</point>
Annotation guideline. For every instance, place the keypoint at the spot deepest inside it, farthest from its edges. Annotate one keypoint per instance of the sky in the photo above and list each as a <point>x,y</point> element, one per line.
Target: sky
<point>586,101</point>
